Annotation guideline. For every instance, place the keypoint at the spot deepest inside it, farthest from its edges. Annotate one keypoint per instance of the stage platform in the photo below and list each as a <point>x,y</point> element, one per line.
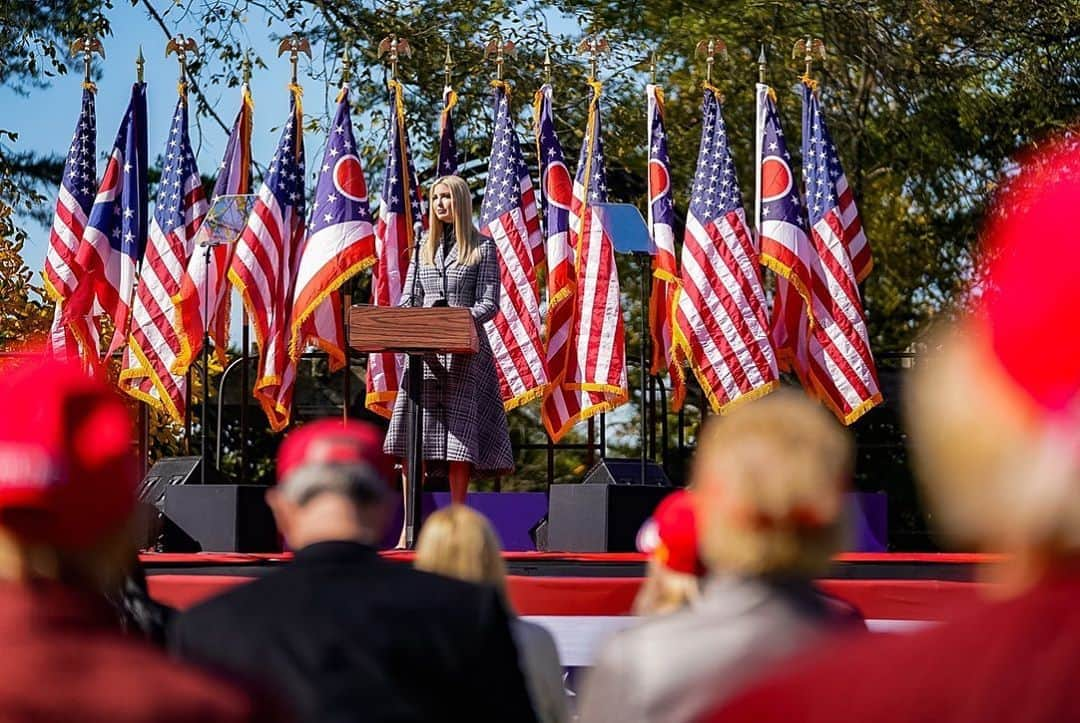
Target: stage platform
<point>584,597</point>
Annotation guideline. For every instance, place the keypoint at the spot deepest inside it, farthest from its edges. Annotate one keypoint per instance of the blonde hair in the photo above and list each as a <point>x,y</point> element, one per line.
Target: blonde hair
<point>99,567</point>
<point>459,542</point>
<point>465,234</point>
<point>769,479</point>
<point>994,474</point>
<point>665,590</point>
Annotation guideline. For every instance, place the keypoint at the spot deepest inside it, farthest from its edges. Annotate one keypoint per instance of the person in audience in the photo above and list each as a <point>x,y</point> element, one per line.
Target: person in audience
<point>767,483</point>
<point>344,634</point>
<point>138,613</point>
<point>674,570</point>
<point>67,494</point>
<point>458,542</point>
<point>995,425</point>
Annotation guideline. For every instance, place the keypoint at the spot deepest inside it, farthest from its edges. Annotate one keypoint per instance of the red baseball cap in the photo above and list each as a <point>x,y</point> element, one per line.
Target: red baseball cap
<point>670,534</point>
<point>67,468</point>
<point>331,454</point>
<point>1029,310</point>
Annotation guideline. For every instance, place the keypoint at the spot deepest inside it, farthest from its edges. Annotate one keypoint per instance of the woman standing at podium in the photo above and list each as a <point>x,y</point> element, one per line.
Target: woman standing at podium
<point>464,419</point>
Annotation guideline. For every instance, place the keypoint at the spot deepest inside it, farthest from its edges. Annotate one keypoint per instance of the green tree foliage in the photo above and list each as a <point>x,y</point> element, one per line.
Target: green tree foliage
<point>23,318</point>
<point>927,101</point>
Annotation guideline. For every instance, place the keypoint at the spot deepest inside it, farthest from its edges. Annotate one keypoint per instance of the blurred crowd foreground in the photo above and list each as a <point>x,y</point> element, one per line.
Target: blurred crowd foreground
<point>995,427</point>
<point>734,629</point>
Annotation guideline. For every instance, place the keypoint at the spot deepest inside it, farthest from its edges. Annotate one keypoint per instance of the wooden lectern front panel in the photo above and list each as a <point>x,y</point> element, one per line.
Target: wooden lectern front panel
<point>446,329</point>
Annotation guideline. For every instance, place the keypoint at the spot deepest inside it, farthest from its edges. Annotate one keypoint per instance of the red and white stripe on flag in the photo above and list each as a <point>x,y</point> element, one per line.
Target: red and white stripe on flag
<point>155,342</point>
<point>561,406</point>
<point>67,343</point>
<point>858,248</point>
<point>664,269</point>
<point>394,236</point>
<point>510,217</point>
<point>596,366</point>
<point>262,266</point>
<point>841,366</point>
<point>204,282</point>
<point>721,329</point>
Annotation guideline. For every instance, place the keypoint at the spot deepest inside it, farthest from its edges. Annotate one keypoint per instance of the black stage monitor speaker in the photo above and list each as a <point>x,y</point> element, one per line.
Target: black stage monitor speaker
<point>220,518</point>
<point>619,471</point>
<point>165,473</point>
<point>599,517</point>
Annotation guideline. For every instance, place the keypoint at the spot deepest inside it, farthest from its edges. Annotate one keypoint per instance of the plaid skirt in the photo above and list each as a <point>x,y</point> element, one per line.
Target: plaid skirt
<point>464,418</point>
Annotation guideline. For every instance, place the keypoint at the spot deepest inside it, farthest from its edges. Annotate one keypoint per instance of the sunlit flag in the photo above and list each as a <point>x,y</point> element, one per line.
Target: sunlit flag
<point>230,205</point>
<point>561,407</point>
<point>841,365</point>
<point>721,329</point>
<point>262,268</point>
<point>596,364</point>
<point>115,235</point>
<point>155,341</point>
<point>400,217</point>
<point>340,243</point>
<point>665,272</point>
<point>79,337</point>
<point>509,216</point>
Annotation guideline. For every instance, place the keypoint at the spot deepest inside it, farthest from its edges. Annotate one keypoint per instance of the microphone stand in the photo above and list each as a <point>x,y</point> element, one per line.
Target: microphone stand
<point>414,422</point>
<point>204,422</point>
<point>444,360</point>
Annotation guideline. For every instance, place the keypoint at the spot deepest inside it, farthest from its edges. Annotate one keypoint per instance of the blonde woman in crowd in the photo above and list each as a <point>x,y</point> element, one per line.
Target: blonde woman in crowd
<point>459,542</point>
<point>994,419</point>
<point>767,484</point>
<point>674,570</point>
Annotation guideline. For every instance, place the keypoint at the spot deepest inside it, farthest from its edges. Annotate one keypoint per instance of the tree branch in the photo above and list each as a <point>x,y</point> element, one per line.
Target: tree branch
<point>191,80</point>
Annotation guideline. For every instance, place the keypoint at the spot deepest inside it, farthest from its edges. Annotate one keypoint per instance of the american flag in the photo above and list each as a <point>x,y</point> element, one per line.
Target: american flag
<point>400,211</point>
<point>510,217</point>
<point>720,324</point>
<point>155,341</point>
<point>596,368</point>
<point>73,202</point>
<point>234,178</point>
<point>785,246</point>
<point>561,406</point>
<point>115,235</point>
<point>340,243</point>
<point>665,273</point>
<point>448,156</point>
<point>841,366</point>
<point>262,267</point>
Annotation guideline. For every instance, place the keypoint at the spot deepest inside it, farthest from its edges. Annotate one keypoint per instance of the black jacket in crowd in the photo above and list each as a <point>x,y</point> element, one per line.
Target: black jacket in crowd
<point>346,636</point>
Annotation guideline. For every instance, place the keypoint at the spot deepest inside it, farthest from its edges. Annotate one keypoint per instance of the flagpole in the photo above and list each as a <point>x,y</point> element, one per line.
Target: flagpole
<point>245,342</point>
<point>393,47</point>
<point>759,126</point>
<point>346,298</point>
<point>643,263</point>
<point>204,421</point>
<point>245,70</point>
<point>181,46</point>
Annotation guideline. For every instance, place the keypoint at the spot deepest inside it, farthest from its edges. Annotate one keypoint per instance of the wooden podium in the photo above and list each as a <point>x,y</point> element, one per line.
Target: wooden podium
<point>414,331</point>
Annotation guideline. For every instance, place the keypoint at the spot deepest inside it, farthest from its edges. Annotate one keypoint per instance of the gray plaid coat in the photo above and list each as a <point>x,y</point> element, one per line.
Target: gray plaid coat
<point>464,419</point>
